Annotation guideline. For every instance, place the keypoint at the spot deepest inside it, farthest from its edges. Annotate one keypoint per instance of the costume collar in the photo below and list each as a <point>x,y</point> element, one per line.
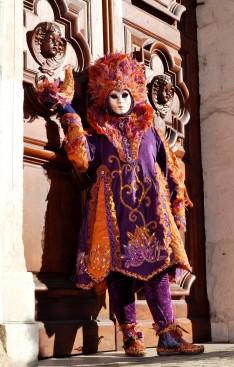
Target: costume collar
<point>116,128</point>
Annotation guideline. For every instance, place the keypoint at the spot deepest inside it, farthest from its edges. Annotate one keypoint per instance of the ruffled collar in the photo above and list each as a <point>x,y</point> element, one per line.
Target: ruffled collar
<point>124,132</point>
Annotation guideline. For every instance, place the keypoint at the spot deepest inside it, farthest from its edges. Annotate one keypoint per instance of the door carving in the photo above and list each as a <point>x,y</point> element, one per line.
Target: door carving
<point>57,33</point>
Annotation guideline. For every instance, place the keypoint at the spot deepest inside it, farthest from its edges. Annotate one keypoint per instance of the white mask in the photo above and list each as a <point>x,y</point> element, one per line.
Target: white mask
<point>120,101</point>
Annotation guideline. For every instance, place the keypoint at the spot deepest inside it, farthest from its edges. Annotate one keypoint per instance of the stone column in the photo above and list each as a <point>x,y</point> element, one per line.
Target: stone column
<point>216,55</point>
<point>18,331</point>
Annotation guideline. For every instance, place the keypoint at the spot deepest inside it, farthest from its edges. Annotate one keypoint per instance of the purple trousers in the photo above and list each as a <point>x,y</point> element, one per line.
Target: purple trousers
<point>157,293</point>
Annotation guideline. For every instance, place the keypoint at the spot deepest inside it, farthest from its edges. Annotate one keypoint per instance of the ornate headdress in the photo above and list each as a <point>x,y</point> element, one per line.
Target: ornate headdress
<point>116,71</point>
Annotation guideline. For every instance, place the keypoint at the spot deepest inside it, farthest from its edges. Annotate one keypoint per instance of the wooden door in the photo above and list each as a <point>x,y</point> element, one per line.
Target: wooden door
<point>73,321</point>
<point>198,307</point>
<point>57,32</point>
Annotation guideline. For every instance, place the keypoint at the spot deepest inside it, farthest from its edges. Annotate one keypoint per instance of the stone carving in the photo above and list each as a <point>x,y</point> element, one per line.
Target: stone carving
<point>47,46</point>
<point>161,94</point>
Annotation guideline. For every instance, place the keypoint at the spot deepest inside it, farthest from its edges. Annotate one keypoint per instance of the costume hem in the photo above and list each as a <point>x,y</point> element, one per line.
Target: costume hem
<point>137,276</point>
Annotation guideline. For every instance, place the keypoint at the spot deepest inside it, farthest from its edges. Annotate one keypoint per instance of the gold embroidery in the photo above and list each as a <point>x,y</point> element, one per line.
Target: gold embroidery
<point>143,246</point>
<point>138,190</point>
<point>145,277</point>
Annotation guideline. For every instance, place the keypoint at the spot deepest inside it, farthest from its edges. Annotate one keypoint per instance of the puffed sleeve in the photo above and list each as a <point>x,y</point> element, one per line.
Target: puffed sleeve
<point>80,146</point>
<point>169,164</point>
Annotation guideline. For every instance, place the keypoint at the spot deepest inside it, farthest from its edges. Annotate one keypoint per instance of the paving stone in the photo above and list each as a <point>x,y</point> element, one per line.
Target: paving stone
<point>216,355</point>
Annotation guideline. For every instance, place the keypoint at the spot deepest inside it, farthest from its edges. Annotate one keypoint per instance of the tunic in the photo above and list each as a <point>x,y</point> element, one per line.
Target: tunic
<point>136,202</point>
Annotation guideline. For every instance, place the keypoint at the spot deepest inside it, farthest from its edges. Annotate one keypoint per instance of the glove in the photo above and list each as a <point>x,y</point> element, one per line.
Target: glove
<point>62,110</point>
<point>56,93</point>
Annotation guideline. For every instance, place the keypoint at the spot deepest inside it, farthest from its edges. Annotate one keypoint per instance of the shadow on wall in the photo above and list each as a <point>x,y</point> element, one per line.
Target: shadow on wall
<point>67,316</point>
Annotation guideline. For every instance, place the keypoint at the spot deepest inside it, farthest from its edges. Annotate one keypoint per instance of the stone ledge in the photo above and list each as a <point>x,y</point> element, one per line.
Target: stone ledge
<point>21,344</point>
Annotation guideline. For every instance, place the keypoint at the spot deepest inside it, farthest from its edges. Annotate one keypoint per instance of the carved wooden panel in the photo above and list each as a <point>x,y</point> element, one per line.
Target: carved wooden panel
<point>171,8</point>
<point>47,24</point>
<point>57,33</point>
<point>171,110</point>
<point>159,52</point>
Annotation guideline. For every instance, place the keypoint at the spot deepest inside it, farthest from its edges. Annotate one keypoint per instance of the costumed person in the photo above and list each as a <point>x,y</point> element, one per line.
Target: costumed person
<point>136,204</point>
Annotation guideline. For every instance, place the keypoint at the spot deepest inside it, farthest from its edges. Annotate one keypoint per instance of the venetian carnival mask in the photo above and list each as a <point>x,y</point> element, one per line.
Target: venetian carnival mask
<point>120,101</point>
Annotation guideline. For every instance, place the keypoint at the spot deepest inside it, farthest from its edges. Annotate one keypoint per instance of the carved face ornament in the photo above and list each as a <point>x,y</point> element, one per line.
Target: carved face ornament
<point>165,93</point>
<point>162,90</point>
<point>120,101</point>
<point>51,45</point>
<point>48,47</point>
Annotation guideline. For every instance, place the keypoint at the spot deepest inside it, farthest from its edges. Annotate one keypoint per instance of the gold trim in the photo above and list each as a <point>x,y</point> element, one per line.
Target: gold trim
<point>172,236</point>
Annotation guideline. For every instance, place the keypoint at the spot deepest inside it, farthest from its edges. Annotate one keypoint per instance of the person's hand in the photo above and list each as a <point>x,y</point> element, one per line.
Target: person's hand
<point>56,94</point>
<point>48,94</point>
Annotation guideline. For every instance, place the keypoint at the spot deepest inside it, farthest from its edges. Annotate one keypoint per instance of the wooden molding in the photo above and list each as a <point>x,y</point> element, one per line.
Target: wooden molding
<point>42,157</point>
<point>170,8</point>
<point>108,27</point>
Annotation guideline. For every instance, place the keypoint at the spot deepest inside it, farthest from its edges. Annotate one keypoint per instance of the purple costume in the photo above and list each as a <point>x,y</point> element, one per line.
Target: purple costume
<point>137,200</point>
<point>136,203</point>
<point>134,207</point>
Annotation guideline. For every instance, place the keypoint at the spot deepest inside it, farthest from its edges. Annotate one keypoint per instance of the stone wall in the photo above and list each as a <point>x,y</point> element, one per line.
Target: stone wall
<point>18,331</point>
<point>216,62</point>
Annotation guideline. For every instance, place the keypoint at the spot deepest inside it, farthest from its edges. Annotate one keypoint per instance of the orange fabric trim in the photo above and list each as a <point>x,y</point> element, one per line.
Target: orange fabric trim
<point>76,146</point>
<point>99,257</point>
<point>176,172</point>
<point>115,228</point>
<point>172,236</point>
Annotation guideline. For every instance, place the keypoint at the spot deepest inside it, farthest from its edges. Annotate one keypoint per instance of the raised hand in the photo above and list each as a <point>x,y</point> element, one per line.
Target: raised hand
<point>56,94</point>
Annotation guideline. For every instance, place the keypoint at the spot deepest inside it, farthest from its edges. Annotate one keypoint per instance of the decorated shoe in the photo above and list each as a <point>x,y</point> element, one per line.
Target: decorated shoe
<point>133,340</point>
<point>171,342</point>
